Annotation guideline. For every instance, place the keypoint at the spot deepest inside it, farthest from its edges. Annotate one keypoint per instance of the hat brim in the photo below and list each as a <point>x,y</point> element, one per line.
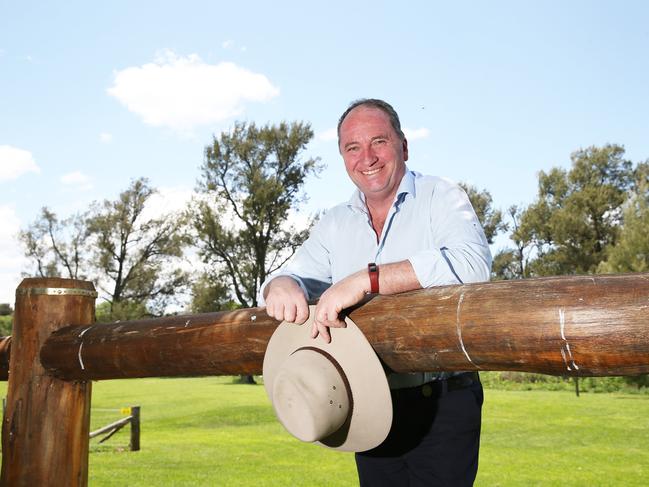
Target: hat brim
<point>370,419</point>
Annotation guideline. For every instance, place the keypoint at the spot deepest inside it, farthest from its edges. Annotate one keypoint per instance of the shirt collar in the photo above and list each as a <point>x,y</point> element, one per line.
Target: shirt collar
<point>406,186</point>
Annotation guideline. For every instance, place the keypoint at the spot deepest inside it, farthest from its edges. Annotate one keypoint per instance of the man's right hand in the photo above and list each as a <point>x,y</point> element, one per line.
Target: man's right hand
<point>285,300</point>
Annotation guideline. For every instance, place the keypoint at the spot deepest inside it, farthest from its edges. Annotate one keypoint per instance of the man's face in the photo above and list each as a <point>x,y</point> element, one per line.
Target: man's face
<point>373,153</point>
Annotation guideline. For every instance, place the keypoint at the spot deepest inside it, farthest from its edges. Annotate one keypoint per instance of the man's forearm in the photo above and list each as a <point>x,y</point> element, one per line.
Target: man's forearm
<point>397,277</point>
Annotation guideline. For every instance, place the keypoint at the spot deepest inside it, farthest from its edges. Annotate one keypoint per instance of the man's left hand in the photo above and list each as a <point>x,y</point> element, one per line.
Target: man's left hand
<point>343,294</point>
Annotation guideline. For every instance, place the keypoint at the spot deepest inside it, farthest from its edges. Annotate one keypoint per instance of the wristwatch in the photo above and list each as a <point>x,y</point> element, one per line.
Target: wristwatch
<point>373,271</point>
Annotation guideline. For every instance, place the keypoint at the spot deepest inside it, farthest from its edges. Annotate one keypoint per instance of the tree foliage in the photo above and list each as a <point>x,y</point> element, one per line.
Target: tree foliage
<point>6,309</point>
<point>130,255</point>
<point>513,263</point>
<point>210,292</point>
<point>134,254</point>
<point>577,213</point>
<point>250,181</point>
<point>57,247</point>
<point>631,251</point>
<point>6,325</point>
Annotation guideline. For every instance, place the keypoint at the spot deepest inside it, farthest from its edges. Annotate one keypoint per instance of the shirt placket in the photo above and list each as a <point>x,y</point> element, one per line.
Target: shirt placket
<point>386,229</point>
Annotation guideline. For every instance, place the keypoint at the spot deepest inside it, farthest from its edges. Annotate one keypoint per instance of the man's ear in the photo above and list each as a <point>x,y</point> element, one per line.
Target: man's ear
<point>405,149</point>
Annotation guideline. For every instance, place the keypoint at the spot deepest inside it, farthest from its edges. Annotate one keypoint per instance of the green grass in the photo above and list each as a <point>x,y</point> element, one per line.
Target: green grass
<point>208,431</point>
<point>557,439</point>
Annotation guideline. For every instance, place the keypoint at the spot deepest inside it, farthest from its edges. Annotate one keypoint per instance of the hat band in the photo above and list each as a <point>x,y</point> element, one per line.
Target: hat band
<point>340,370</point>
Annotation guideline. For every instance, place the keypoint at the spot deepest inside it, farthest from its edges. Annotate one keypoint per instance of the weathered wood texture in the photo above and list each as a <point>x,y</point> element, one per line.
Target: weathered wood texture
<point>46,425</point>
<point>582,326</point>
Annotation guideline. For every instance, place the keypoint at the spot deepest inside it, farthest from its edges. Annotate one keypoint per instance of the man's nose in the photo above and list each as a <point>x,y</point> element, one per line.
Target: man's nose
<point>369,156</point>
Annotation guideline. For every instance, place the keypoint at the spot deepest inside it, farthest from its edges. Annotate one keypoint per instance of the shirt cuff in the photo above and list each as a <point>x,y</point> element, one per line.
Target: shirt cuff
<point>432,269</point>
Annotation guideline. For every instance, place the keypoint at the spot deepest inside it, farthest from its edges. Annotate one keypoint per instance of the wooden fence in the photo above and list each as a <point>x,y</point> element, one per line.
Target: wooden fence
<point>132,419</point>
<point>576,326</point>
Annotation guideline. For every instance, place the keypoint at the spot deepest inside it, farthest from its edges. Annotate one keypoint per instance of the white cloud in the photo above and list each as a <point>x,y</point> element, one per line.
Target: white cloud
<point>167,200</point>
<point>105,137</point>
<point>185,92</point>
<point>12,260</point>
<point>81,181</point>
<point>230,44</point>
<point>15,162</point>
<point>413,134</point>
<point>328,135</point>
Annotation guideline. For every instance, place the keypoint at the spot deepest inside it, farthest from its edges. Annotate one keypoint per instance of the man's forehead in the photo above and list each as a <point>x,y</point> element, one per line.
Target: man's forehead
<point>366,111</point>
<point>367,114</point>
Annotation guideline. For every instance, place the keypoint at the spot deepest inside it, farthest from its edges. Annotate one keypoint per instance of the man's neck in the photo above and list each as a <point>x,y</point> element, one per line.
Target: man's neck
<point>378,209</point>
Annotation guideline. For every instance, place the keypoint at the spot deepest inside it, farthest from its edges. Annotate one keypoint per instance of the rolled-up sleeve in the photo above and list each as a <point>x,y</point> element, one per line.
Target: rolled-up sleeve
<point>460,252</point>
<point>310,266</point>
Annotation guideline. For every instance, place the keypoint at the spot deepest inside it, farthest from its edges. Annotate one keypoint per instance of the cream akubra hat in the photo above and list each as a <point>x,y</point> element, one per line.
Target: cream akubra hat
<point>335,394</point>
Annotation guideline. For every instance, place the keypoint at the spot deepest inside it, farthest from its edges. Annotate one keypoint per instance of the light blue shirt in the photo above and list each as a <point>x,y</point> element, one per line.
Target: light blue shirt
<point>431,224</point>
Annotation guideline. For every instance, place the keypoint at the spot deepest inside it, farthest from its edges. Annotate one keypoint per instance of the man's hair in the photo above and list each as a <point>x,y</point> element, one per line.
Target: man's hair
<point>384,106</point>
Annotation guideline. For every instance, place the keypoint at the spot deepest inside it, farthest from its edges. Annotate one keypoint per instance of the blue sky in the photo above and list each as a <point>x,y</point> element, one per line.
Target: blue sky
<point>95,94</point>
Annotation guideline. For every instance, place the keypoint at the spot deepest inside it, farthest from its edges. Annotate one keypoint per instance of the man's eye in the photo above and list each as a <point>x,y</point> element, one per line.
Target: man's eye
<point>380,141</point>
<point>353,148</point>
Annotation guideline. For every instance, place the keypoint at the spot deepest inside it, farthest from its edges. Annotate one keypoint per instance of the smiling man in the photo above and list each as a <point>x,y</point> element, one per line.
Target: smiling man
<point>399,231</point>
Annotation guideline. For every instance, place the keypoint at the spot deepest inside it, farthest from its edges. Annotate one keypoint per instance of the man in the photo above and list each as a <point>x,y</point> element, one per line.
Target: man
<point>414,231</point>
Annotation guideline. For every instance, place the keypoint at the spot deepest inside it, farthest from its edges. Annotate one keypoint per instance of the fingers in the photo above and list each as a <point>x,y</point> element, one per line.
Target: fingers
<point>301,312</point>
<point>322,330</point>
<point>285,301</point>
<point>329,316</point>
<point>323,321</point>
<point>291,312</point>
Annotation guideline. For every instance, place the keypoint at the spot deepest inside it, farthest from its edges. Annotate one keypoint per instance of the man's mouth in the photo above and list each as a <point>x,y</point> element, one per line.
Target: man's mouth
<point>371,171</point>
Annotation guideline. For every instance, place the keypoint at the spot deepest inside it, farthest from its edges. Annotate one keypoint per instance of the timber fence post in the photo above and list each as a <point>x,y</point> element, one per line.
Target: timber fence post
<point>135,428</point>
<point>47,422</point>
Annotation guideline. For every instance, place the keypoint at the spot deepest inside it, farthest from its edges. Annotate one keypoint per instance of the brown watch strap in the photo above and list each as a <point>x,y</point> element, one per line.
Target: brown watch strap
<point>373,271</point>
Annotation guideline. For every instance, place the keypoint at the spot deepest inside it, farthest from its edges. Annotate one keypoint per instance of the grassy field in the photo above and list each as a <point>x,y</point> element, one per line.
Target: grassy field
<point>208,431</point>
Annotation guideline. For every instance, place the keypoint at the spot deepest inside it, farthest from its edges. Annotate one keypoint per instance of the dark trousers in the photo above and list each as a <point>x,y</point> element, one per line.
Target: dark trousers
<point>434,439</point>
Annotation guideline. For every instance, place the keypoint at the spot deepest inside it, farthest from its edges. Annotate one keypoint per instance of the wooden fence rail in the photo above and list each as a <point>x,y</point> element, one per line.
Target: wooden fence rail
<point>581,326</point>
<point>133,419</point>
<point>578,326</point>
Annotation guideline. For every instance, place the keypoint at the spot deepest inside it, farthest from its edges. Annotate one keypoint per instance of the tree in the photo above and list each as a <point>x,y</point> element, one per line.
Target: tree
<point>490,218</point>
<point>251,180</point>
<point>6,309</point>
<point>6,325</point>
<point>577,213</point>
<point>129,254</point>
<point>6,319</point>
<point>56,247</point>
<point>513,263</point>
<point>631,251</point>
<point>134,255</point>
<point>210,293</point>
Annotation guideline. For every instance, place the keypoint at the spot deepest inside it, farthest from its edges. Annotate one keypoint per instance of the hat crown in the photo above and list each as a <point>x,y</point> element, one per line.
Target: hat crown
<point>359,417</point>
<point>310,396</point>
